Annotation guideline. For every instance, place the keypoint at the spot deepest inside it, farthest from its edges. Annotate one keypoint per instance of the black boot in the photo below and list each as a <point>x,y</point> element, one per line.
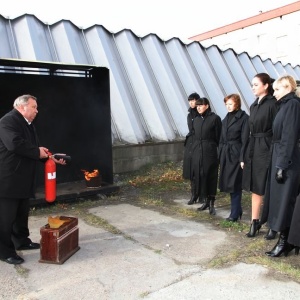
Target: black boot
<point>194,193</point>
<point>201,200</point>
<point>291,248</point>
<point>271,235</point>
<point>212,200</point>
<point>205,205</point>
<point>255,227</point>
<point>282,246</point>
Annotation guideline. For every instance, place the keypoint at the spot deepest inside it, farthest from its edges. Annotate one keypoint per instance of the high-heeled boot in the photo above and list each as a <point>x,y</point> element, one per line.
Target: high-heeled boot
<point>271,235</point>
<point>282,246</point>
<point>254,227</point>
<point>194,193</point>
<point>291,248</point>
<point>212,200</point>
<point>205,205</point>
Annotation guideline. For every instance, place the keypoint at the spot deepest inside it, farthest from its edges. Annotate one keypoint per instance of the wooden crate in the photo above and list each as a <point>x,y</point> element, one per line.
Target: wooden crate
<point>58,244</point>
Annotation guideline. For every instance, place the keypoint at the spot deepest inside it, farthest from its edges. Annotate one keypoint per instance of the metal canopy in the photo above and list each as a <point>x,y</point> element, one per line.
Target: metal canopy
<point>51,68</point>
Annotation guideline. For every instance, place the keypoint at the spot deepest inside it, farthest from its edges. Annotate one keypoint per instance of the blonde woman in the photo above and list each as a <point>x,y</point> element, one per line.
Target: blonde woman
<point>284,175</point>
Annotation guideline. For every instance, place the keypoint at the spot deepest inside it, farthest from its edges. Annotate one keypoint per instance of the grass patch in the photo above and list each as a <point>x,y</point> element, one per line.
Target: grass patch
<point>22,271</point>
<point>236,226</point>
<point>160,177</point>
<point>158,251</point>
<point>145,294</point>
<point>221,261</point>
<point>280,265</point>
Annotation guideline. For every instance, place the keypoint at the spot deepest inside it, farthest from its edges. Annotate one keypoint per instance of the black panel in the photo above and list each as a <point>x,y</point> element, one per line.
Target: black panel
<point>74,118</point>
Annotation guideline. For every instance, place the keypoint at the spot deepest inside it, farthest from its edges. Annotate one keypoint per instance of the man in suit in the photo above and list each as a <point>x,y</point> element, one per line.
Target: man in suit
<point>19,154</point>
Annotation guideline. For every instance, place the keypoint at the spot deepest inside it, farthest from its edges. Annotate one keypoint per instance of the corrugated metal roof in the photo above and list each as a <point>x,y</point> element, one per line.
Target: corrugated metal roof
<point>150,79</point>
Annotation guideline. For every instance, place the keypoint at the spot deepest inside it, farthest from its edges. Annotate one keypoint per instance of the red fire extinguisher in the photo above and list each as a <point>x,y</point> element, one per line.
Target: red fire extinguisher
<point>50,180</point>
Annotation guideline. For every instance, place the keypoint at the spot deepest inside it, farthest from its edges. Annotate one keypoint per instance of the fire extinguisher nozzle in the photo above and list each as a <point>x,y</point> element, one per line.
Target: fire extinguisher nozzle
<point>66,158</point>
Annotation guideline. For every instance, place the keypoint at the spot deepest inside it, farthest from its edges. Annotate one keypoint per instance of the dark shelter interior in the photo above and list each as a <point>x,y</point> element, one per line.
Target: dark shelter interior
<point>73,116</point>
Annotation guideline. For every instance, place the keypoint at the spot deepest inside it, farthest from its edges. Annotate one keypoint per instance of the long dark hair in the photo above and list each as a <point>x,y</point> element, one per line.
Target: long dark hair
<point>266,79</point>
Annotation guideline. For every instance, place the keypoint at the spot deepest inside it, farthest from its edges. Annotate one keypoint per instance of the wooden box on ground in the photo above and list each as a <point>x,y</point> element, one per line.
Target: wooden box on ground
<point>58,244</point>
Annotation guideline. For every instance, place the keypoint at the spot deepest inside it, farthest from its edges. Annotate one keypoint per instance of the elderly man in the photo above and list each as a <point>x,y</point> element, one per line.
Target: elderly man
<point>19,154</point>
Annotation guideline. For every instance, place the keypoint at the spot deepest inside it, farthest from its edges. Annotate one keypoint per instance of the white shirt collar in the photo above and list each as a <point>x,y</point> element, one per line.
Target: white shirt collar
<point>27,121</point>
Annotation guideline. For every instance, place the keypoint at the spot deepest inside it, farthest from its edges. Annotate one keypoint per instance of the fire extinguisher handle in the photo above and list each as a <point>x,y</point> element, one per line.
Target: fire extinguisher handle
<point>67,158</point>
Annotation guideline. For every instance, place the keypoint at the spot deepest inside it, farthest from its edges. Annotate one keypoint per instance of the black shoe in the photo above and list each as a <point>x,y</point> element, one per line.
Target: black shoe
<point>254,228</point>
<point>200,200</point>
<point>282,246</point>
<point>14,260</point>
<point>194,195</point>
<point>204,206</point>
<point>212,210</point>
<point>31,246</point>
<point>229,219</point>
<point>271,235</point>
<point>192,201</point>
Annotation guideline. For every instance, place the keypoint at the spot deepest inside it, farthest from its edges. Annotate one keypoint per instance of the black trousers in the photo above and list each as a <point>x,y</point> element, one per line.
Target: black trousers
<point>14,230</point>
<point>236,204</point>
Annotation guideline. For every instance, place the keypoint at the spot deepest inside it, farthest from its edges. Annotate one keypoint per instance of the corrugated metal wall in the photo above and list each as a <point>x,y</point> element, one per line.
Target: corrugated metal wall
<point>150,78</point>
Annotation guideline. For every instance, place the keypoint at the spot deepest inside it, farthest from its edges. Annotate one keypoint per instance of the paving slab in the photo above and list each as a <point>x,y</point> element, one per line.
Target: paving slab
<point>241,281</point>
<point>184,241</point>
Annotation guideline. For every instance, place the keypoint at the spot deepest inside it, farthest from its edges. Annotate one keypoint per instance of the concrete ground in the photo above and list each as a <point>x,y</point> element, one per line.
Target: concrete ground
<point>155,257</point>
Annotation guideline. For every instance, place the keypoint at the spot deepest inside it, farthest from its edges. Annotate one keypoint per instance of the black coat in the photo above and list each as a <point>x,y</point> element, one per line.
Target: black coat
<point>233,142</point>
<point>187,155</point>
<point>205,153</point>
<point>294,236</point>
<point>257,157</point>
<point>19,154</point>
<point>280,199</point>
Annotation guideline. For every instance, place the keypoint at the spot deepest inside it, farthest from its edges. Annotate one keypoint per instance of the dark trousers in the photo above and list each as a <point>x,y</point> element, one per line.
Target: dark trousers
<point>14,230</point>
<point>236,204</point>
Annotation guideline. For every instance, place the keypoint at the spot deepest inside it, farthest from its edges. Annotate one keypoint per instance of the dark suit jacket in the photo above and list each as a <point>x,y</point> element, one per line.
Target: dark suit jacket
<point>19,154</point>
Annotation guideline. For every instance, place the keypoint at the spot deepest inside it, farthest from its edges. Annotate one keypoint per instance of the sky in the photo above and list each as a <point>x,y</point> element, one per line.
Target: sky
<point>165,18</point>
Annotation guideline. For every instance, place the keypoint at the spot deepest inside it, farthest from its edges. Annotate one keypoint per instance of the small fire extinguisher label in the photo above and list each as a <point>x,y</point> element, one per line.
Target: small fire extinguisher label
<point>51,175</point>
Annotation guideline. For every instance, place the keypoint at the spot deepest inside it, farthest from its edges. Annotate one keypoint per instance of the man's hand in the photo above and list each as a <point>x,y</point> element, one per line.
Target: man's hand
<point>60,161</point>
<point>280,176</point>
<point>43,152</point>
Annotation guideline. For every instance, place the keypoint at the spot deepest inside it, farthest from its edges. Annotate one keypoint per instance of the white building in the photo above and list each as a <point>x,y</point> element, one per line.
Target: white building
<point>274,35</point>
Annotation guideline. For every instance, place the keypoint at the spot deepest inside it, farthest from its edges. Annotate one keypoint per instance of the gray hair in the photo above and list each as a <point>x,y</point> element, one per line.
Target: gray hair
<point>22,100</point>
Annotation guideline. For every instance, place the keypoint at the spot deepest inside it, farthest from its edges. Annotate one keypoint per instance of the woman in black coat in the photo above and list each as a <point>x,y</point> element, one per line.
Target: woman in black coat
<point>187,155</point>
<point>207,127</point>
<point>262,114</point>
<point>233,141</point>
<point>284,174</point>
